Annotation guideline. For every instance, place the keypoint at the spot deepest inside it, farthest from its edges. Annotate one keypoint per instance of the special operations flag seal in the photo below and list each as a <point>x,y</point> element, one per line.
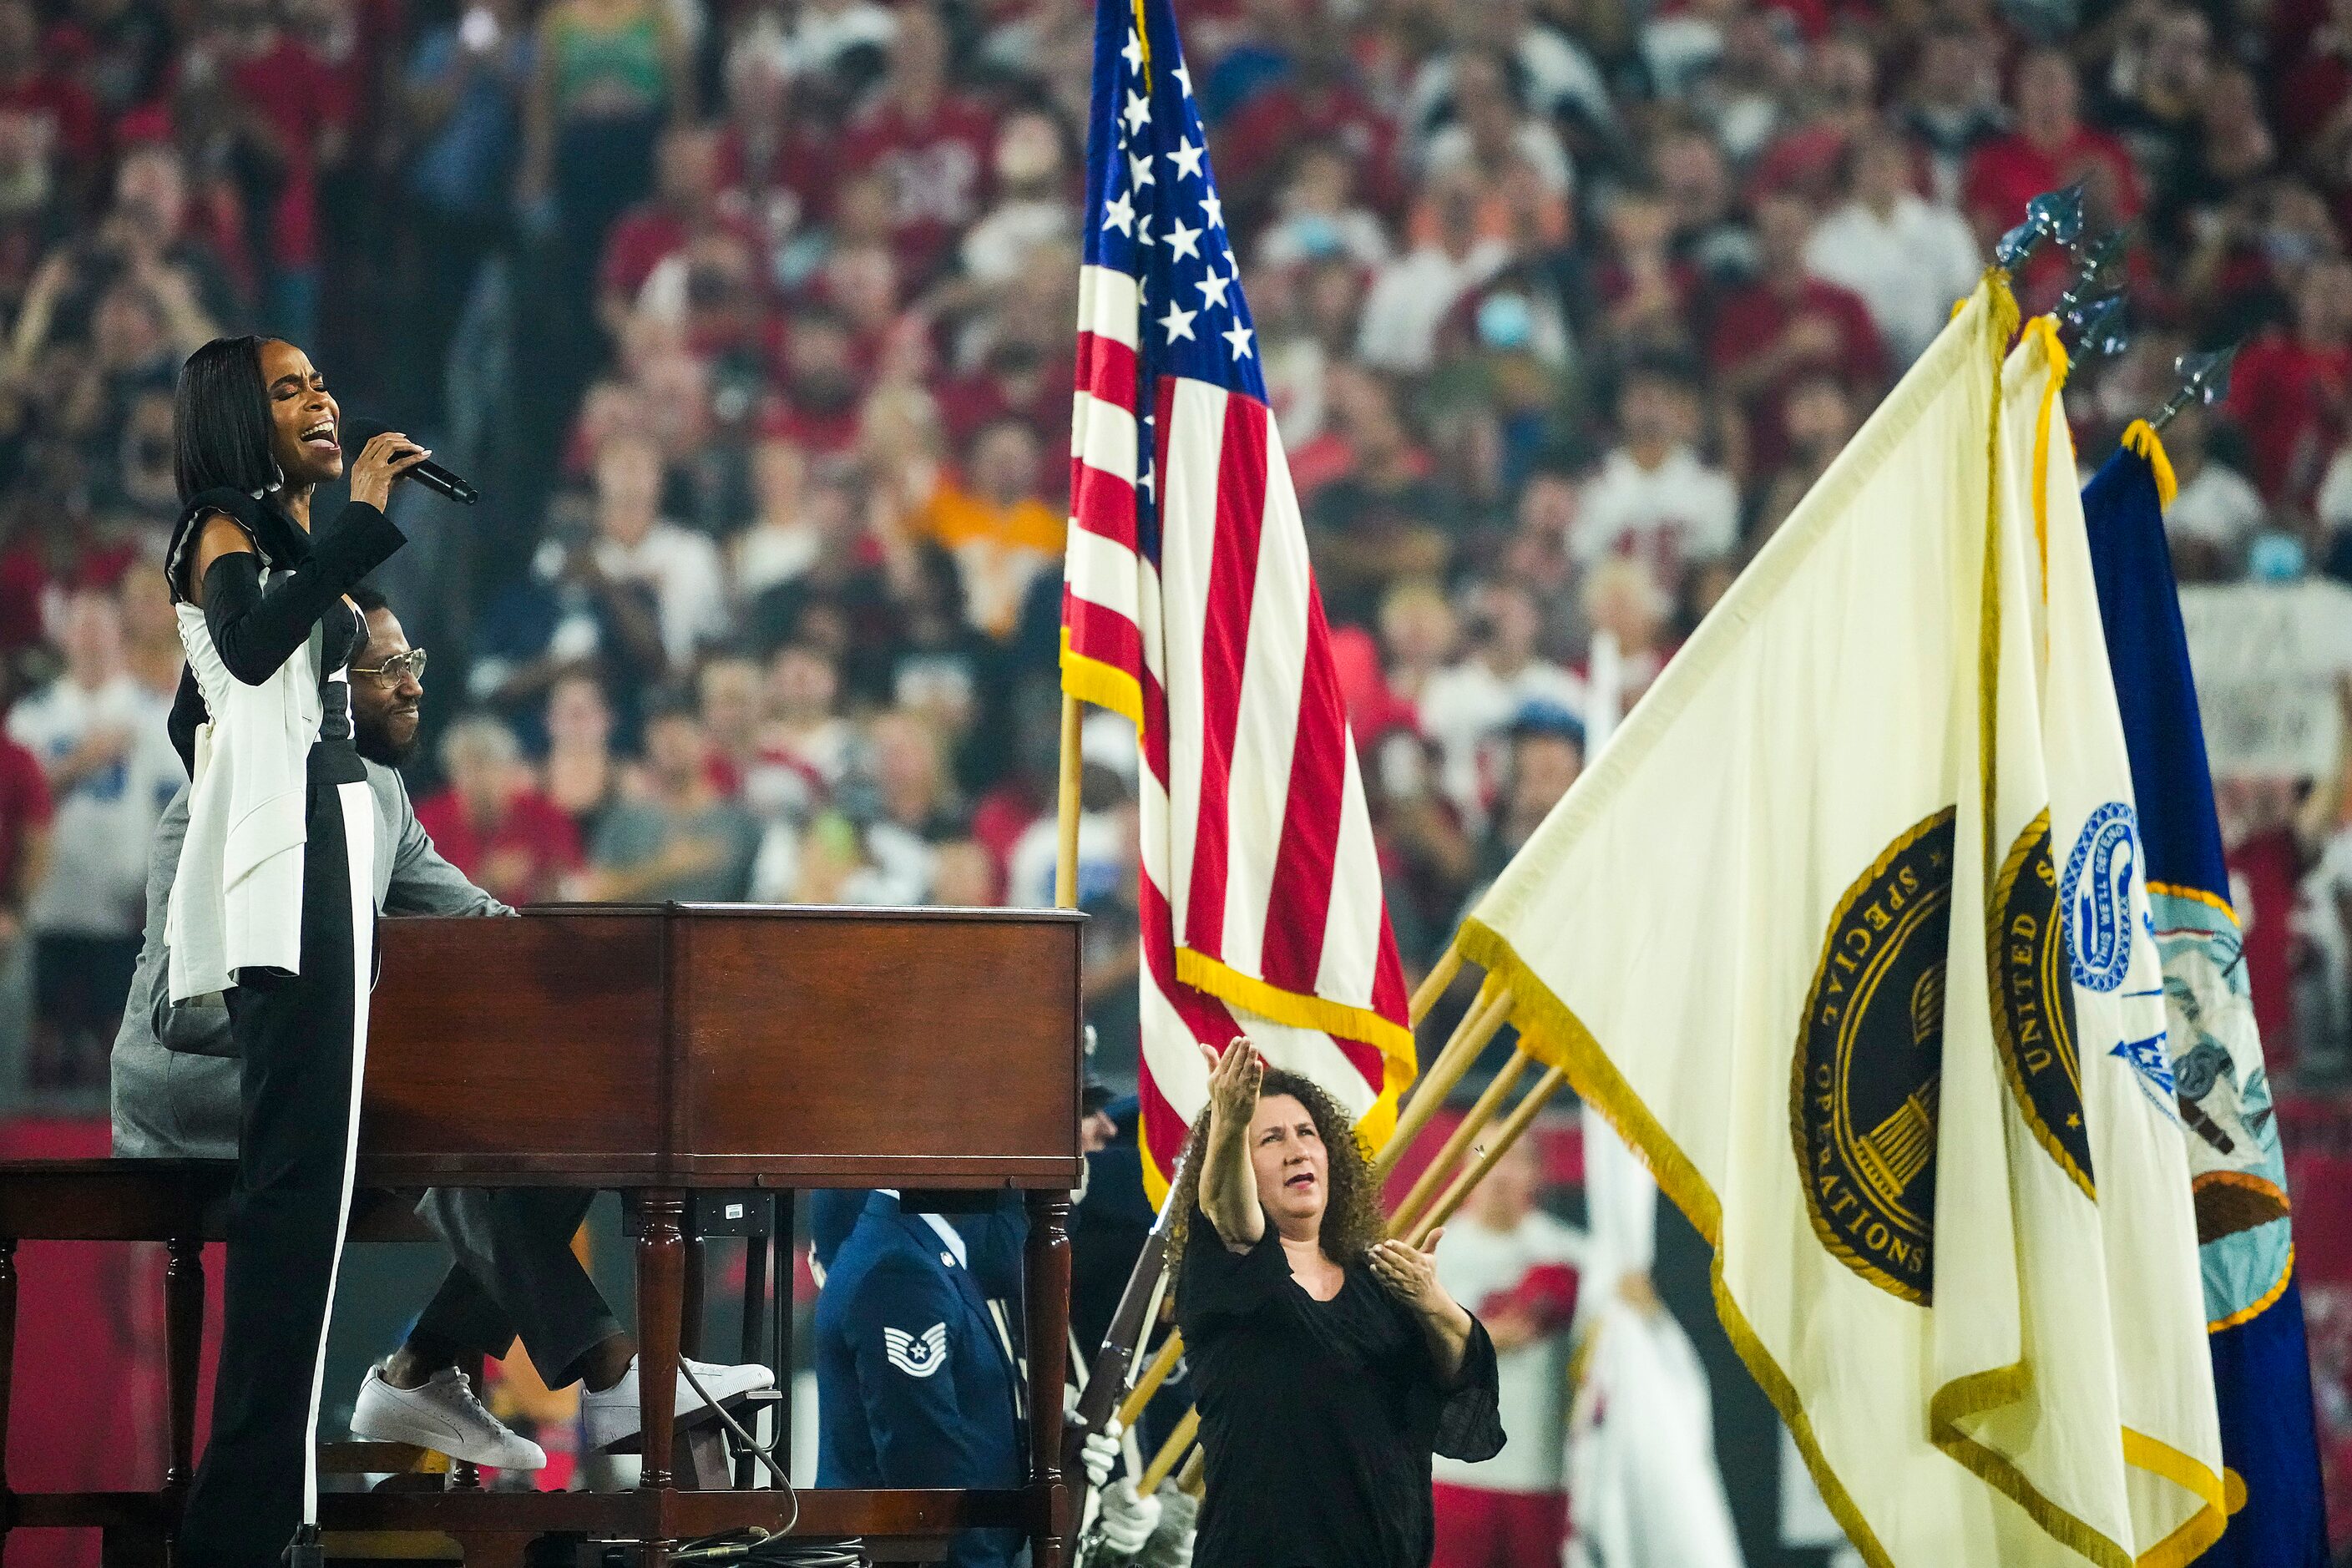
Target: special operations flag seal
<point>1868,1060</point>
<point>2033,1001</point>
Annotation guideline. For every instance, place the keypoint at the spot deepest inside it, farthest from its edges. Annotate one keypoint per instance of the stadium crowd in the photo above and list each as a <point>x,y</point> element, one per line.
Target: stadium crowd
<point>757,320</point>
<point>754,319</point>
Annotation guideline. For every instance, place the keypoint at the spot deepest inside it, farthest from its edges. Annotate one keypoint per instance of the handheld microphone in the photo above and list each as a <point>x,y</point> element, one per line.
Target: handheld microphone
<point>356,432</point>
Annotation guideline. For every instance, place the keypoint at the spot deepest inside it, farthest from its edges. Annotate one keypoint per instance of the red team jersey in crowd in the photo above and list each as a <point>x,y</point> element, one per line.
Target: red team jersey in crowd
<point>2263,871</point>
<point>25,809</point>
<point>63,115</point>
<point>1513,1509</point>
<point>522,860</point>
<point>1752,319</point>
<point>291,88</point>
<point>2290,399</point>
<point>938,168</point>
<point>650,233</point>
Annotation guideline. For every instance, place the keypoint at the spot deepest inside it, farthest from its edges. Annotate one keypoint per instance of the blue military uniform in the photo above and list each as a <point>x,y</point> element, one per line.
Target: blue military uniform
<point>915,1388</point>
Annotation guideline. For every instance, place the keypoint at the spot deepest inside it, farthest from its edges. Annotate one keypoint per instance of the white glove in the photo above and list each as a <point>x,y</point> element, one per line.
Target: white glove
<point>1100,1453</point>
<point>1171,1545</point>
<point>1127,1521</point>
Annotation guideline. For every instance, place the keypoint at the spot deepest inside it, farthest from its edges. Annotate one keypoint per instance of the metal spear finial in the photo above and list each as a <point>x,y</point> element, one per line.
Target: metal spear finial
<point>2095,265</point>
<point>2053,215</point>
<point>2204,379</point>
<point>2098,326</point>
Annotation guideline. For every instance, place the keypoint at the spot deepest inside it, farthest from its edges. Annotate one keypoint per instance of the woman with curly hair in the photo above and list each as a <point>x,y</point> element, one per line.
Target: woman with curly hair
<point>1329,1364</point>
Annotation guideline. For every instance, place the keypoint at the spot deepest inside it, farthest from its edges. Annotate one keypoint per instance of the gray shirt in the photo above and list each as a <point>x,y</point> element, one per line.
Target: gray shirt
<point>183,1100</point>
<point>637,832</point>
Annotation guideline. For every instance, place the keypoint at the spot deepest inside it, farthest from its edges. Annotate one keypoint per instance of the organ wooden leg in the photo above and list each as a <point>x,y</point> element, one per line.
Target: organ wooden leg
<point>1047,1289</point>
<point>661,1287</point>
<point>183,1347</point>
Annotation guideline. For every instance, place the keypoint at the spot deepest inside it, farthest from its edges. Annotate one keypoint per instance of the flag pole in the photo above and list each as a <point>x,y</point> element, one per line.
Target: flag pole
<point>1155,1374</point>
<point>1479,1025</point>
<point>1169,1453</point>
<point>1514,1125</point>
<point>1066,841</point>
<point>1433,985</point>
<point>1432,1180</point>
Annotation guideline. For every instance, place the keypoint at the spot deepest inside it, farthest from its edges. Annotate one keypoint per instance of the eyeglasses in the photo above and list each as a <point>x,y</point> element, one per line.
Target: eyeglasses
<point>400,667</point>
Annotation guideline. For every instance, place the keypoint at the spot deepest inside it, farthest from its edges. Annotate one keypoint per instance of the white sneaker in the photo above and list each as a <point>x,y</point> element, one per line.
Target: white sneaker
<point>442,1415</point>
<point>608,1416</point>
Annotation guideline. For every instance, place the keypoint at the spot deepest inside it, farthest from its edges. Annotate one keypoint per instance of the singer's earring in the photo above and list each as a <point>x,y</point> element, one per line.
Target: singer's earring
<point>276,475</point>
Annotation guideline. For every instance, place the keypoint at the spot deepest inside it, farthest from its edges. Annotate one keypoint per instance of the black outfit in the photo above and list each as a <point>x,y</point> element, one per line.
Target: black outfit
<point>515,1276</point>
<point>79,983</point>
<point>1319,1418</point>
<point>302,1037</point>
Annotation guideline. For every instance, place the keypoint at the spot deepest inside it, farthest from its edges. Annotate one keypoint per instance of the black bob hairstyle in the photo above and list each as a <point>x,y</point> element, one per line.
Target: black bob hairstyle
<point>220,421</point>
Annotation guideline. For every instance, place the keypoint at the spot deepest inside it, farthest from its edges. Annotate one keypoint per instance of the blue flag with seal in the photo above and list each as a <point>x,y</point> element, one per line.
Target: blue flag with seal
<point>2261,1368</point>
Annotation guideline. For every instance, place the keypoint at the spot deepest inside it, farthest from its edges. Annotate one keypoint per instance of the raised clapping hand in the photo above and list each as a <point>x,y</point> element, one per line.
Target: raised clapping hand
<point>1228,1188</point>
<point>1234,1080</point>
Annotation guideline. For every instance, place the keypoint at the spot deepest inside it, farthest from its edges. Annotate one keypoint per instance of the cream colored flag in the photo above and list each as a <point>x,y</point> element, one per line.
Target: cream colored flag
<point>2113,1297</point>
<point>1754,934</point>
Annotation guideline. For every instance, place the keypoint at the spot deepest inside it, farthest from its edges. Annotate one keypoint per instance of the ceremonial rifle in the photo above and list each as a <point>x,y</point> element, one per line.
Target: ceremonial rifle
<point>1130,1325</point>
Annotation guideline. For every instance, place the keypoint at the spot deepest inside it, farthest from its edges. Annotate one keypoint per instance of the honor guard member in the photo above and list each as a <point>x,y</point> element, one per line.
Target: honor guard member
<point>916,1386</point>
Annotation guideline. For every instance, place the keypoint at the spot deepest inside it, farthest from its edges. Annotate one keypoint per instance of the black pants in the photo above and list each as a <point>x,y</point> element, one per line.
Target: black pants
<point>515,1276</point>
<point>303,1038</point>
<point>79,983</point>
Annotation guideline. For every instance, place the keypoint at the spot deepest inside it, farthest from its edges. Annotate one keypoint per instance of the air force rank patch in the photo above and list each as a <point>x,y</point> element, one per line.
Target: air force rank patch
<point>916,1357</point>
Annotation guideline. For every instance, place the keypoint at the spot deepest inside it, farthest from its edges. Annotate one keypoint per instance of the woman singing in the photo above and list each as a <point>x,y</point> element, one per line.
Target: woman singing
<point>274,903</point>
<point>1329,1364</point>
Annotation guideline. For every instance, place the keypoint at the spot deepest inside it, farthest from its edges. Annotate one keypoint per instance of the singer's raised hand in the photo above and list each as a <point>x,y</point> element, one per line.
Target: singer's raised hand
<point>383,459</point>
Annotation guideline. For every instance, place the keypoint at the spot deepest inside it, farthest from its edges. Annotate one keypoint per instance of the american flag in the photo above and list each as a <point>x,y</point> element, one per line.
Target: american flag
<point>1188,605</point>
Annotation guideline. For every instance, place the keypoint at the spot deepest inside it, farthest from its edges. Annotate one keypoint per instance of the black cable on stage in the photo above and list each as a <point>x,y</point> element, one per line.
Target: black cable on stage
<point>760,1548</point>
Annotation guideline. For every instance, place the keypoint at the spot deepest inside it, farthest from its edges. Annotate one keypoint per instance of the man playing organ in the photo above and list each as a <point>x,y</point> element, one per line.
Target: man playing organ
<point>175,1095</point>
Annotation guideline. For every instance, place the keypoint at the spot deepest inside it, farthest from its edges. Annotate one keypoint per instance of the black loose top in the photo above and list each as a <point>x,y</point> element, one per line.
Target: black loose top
<point>1319,1418</point>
